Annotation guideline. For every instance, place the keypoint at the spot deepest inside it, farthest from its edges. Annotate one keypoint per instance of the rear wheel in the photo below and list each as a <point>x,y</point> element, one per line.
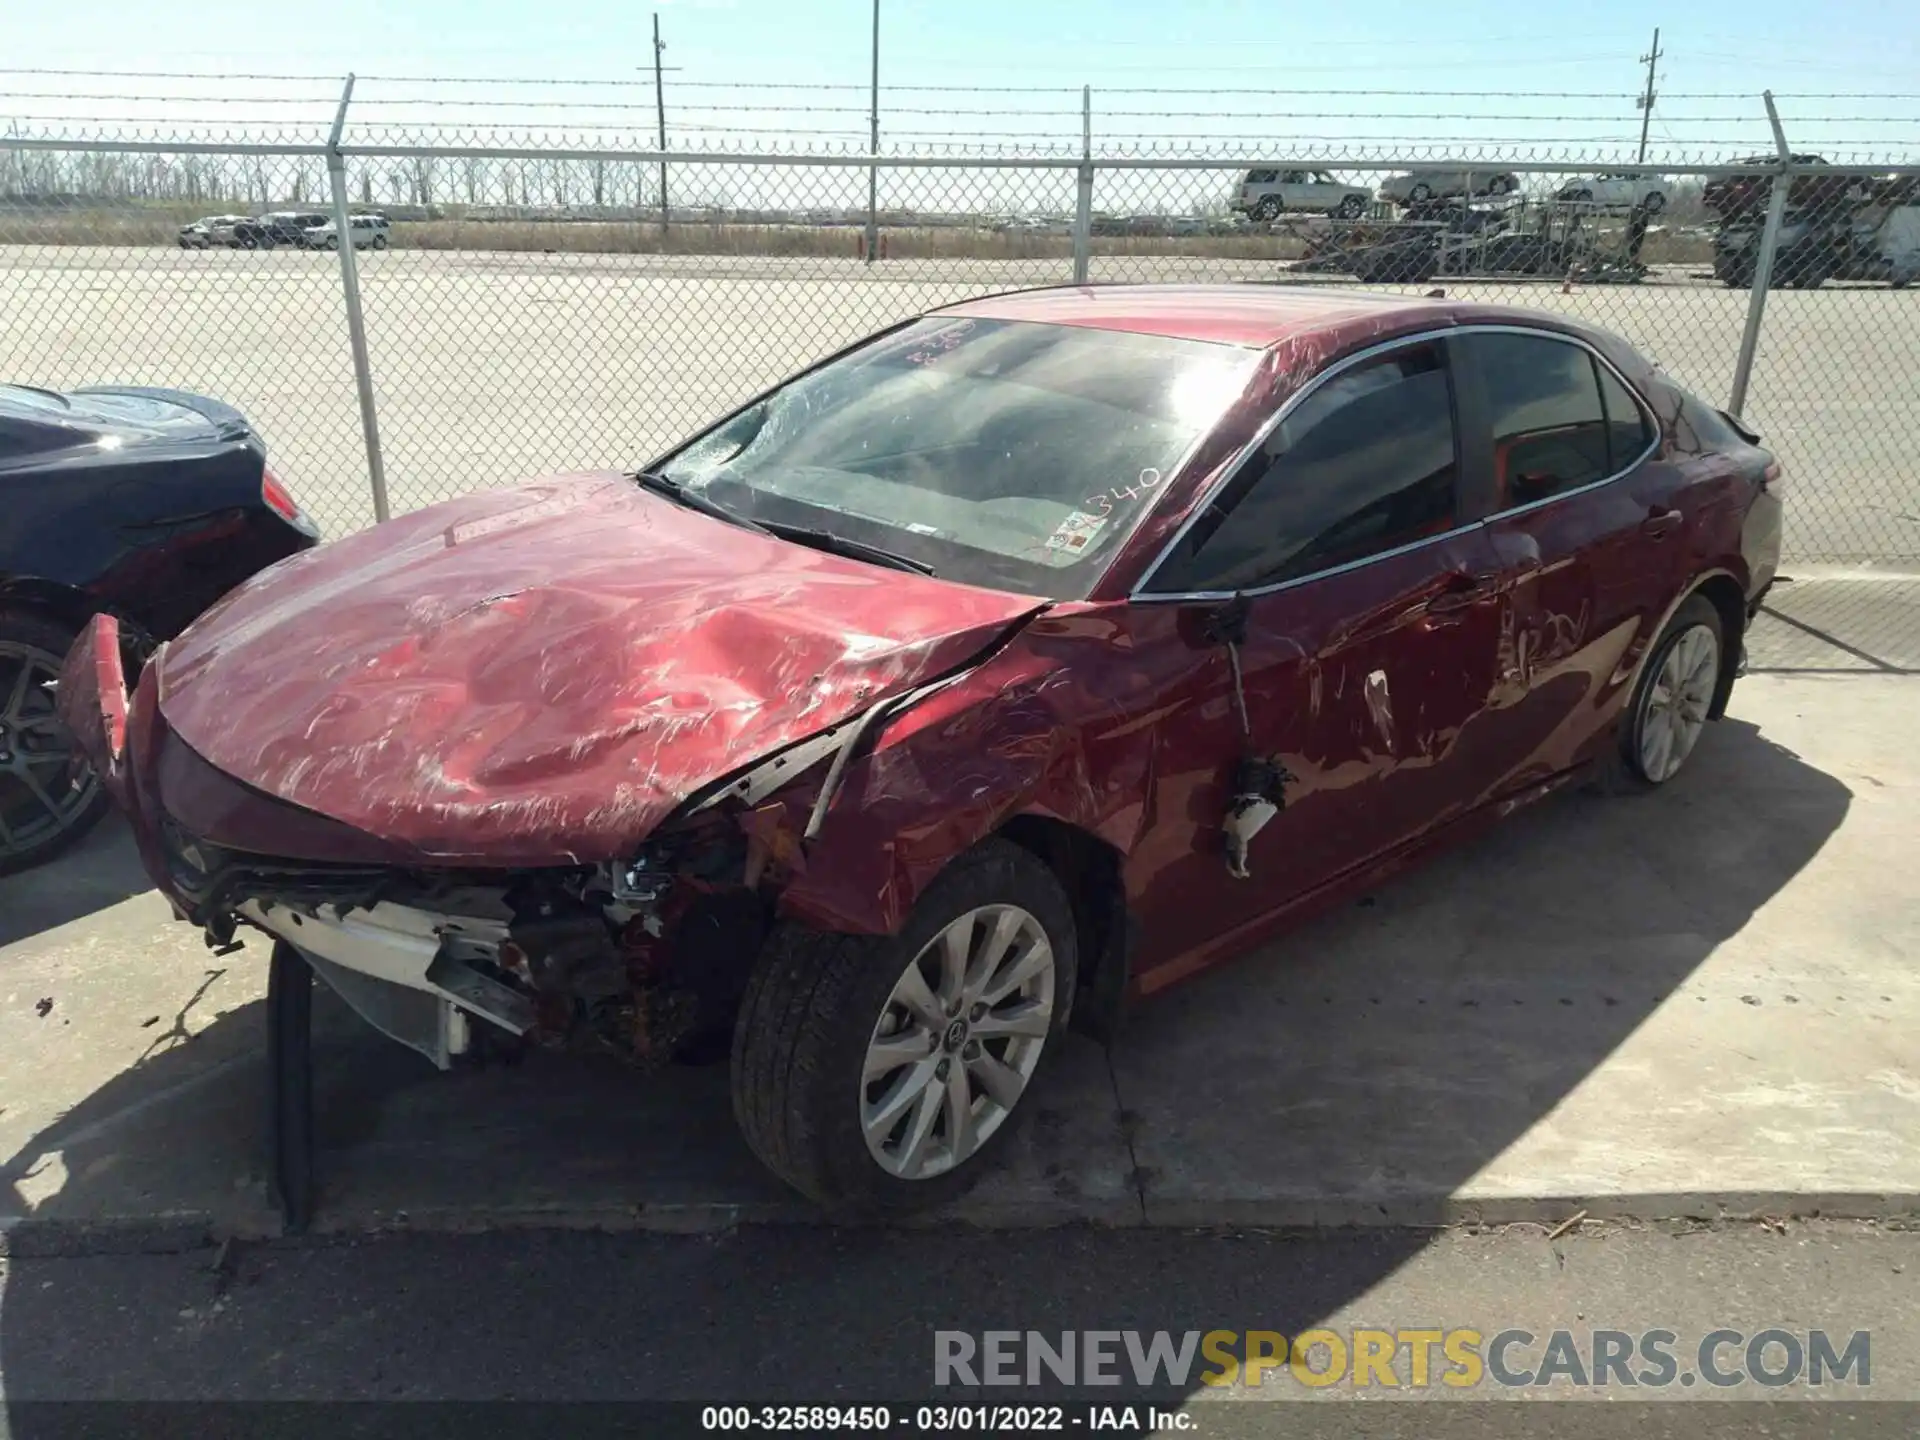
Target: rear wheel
<point>1676,689</point>
<point>1420,193</point>
<point>41,811</point>
<point>1654,202</point>
<point>1351,207</point>
<point>1267,208</point>
<point>379,242</point>
<point>1499,185</point>
<point>879,1074</point>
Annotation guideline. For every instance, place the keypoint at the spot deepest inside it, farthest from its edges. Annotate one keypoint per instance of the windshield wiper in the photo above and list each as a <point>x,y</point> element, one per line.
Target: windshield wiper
<point>694,500</point>
<point>841,545</point>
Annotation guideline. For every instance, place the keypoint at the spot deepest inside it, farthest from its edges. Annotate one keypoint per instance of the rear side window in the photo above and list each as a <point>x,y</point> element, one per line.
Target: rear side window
<point>1550,432</point>
<point>1260,177</point>
<point>1628,430</point>
<point>1365,464</point>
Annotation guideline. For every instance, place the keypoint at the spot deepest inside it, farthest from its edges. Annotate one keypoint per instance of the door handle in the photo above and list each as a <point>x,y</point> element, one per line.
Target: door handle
<point>1660,522</point>
<point>1461,590</point>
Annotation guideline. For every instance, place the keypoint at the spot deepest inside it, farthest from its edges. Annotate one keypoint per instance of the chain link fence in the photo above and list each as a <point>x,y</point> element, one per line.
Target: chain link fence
<point>532,306</point>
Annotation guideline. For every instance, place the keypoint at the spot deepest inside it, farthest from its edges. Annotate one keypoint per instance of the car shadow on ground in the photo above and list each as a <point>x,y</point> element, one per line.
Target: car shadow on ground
<point>102,870</point>
<point>1385,1055</point>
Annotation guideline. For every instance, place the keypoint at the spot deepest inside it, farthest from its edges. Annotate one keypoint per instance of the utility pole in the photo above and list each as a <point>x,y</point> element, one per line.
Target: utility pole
<point>873,142</point>
<point>1646,100</point>
<point>660,108</point>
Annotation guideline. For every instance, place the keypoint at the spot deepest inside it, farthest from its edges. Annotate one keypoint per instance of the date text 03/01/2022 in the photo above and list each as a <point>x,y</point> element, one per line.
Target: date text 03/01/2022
<point>941,1419</point>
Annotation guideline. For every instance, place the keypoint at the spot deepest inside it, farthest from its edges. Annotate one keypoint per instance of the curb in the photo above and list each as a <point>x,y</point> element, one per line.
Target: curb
<point>27,1237</point>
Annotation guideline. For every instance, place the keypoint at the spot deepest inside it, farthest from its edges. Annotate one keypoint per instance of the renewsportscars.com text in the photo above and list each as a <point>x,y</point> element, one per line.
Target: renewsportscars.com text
<point>1404,1358</point>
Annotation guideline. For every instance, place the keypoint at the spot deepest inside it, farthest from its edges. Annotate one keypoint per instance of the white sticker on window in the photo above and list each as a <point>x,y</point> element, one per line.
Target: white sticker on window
<point>1075,533</point>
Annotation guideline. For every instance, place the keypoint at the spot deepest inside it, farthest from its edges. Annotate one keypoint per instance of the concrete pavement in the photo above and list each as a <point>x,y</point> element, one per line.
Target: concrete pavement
<point>1696,1003</point>
<point>818,1315</point>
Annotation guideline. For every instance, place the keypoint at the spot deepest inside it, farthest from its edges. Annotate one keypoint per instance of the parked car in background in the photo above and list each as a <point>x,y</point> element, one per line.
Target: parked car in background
<point>1617,191</point>
<point>211,232</point>
<point>145,504</point>
<point>1159,618</point>
<point>1732,196</point>
<point>1434,183</point>
<point>1811,248</point>
<point>242,232</point>
<point>1268,193</point>
<point>290,227</point>
<point>370,232</point>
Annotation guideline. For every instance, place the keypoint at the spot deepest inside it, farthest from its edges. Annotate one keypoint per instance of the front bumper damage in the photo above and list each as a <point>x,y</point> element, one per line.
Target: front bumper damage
<point>645,957</point>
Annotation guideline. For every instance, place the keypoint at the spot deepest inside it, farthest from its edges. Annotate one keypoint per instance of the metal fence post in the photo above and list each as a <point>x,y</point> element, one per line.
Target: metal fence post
<point>356,322</point>
<point>1083,199</point>
<point>1763,262</point>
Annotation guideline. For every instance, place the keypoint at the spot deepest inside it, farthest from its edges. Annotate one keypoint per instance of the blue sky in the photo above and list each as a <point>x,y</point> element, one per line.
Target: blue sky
<point>1579,74</point>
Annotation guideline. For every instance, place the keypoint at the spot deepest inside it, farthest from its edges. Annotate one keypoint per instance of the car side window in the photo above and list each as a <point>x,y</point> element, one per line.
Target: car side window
<point>1629,432</point>
<point>1550,433</point>
<point>1363,465</point>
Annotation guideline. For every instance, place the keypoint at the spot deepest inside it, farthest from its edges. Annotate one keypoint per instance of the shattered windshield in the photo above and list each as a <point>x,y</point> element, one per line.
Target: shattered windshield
<point>1007,454</point>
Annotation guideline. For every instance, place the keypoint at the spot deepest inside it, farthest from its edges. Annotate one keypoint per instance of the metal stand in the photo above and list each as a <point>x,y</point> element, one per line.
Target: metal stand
<point>290,1081</point>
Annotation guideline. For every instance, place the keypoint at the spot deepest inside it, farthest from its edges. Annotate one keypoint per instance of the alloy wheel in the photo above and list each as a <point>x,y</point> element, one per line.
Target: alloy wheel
<point>37,803</point>
<point>1674,710</point>
<point>957,1041</point>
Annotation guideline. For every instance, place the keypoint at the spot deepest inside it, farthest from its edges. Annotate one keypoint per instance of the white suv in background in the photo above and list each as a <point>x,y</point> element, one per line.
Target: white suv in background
<point>1614,190</point>
<point>1448,183</point>
<point>369,233</point>
<point>1266,194</point>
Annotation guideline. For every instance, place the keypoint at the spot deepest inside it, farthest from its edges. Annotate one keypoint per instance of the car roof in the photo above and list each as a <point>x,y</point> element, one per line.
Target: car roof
<point>1251,315</point>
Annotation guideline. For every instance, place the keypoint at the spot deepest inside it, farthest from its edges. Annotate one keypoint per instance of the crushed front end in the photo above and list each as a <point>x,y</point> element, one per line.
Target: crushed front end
<point>644,957</point>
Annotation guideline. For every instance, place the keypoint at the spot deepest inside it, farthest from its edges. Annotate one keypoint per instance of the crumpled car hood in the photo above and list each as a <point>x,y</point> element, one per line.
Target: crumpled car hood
<point>541,675</point>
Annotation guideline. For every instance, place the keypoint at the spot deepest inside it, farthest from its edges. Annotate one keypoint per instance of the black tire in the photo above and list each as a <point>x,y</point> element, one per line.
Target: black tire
<point>1420,194</point>
<point>1499,185</point>
<point>1267,208</point>
<point>1351,208</point>
<point>1631,773</point>
<point>1581,197</point>
<point>811,1008</point>
<point>38,835</point>
<point>249,242</point>
<point>332,242</point>
<point>380,242</point>
<point>1654,202</point>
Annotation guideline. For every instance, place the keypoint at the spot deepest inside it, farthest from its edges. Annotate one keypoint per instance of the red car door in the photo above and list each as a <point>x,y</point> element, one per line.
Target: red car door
<point>1586,521</point>
<point>1365,621</point>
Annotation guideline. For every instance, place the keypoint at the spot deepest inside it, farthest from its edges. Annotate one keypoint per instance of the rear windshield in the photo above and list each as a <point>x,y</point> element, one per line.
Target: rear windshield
<point>1006,454</point>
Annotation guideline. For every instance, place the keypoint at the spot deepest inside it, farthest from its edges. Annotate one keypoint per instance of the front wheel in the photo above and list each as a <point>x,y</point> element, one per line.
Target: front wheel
<point>1671,703</point>
<point>1351,207</point>
<point>42,812</point>
<point>1499,185</point>
<point>878,1074</point>
<point>379,242</point>
<point>1420,194</point>
<point>1268,209</point>
<point>1654,203</point>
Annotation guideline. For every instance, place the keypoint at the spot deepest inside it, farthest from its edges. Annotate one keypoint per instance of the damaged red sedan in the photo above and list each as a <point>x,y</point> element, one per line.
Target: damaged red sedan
<point>992,673</point>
